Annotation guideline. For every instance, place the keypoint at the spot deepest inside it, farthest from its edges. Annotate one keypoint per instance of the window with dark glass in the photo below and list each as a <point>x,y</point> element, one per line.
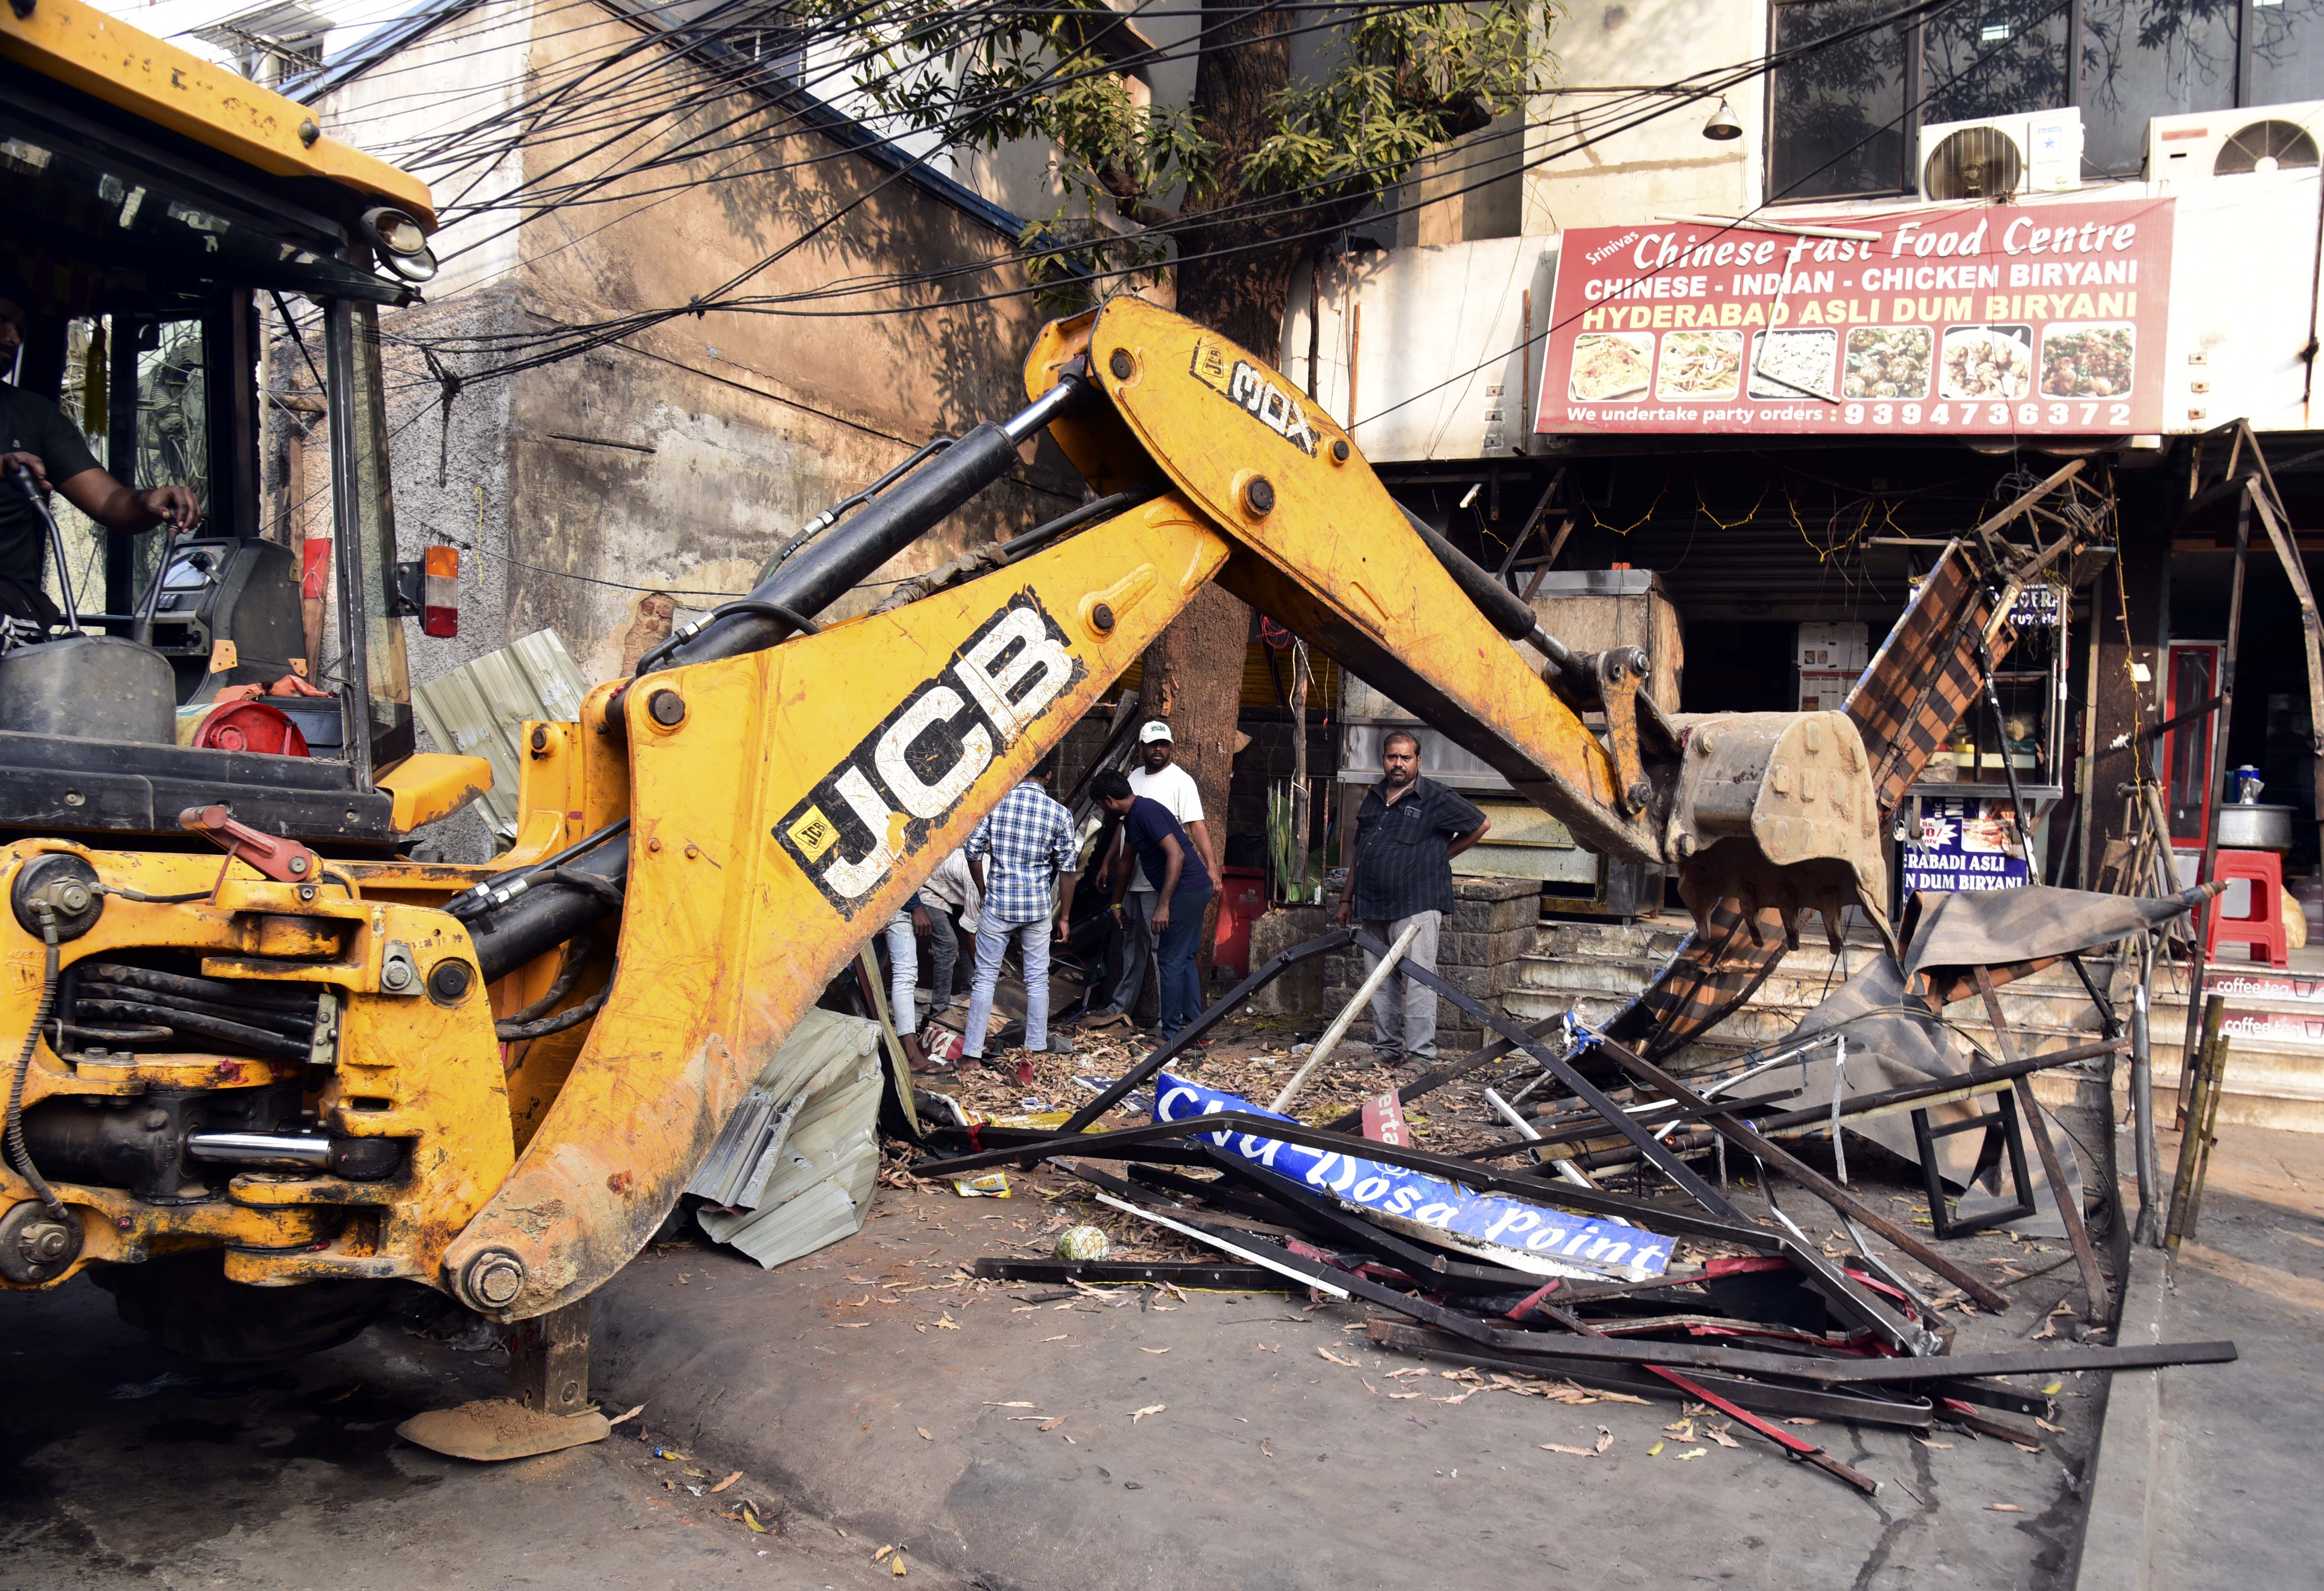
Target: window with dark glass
<point>2287,52</point>
<point>1847,120</point>
<point>1839,112</point>
<point>1993,58</point>
<point>2142,58</point>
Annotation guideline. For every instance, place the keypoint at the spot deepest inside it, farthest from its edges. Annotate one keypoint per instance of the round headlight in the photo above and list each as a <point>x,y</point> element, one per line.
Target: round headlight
<point>393,233</point>
<point>414,268</point>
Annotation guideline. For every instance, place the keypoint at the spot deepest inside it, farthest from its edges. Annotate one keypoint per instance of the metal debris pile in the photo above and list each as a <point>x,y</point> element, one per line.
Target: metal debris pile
<point>1539,1280</point>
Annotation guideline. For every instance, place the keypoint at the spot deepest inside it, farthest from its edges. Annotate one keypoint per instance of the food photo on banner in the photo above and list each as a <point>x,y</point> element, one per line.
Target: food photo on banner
<point>1965,843</point>
<point>2044,317</point>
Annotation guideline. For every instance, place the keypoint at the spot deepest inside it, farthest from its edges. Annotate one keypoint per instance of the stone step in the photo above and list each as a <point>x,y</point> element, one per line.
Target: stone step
<point>2275,1054</point>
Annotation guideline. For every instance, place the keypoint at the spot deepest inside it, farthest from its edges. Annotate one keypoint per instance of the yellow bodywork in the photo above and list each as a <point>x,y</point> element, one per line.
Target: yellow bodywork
<point>783,803</point>
<point>78,45</point>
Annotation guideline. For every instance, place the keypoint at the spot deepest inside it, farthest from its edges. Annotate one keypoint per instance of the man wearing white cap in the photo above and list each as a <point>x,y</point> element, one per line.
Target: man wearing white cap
<point>1157,778</point>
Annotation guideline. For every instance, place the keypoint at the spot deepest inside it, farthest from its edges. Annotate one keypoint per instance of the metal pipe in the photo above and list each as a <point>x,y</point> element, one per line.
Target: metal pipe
<point>259,1149</point>
<point>2198,952</point>
<point>1379,974</point>
<point>25,480</point>
<point>1565,1168</point>
<point>812,580</point>
<point>2142,1096</point>
<point>821,573</point>
<point>347,536</point>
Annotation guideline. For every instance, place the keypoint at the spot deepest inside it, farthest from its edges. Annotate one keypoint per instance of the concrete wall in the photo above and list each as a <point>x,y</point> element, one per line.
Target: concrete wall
<point>610,493</point>
<point>679,459</point>
<point>1665,165</point>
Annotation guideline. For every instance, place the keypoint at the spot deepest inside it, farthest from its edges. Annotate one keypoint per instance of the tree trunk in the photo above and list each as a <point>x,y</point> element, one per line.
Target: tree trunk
<point>1193,679</point>
<point>1245,62</point>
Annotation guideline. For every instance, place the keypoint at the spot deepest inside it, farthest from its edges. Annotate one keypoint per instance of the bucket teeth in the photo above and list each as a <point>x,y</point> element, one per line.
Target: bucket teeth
<point>1834,929</point>
<point>1791,918</point>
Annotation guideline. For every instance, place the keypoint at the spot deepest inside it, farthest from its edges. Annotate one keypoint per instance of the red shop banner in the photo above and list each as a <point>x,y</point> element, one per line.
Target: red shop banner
<point>1977,319</point>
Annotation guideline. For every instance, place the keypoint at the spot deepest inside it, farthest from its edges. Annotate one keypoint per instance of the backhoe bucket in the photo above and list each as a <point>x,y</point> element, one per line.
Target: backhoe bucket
<point>1776,810</point>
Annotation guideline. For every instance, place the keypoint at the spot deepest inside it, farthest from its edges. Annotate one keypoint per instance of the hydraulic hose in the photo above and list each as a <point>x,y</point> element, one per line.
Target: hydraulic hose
<point>19,1156</point>
<point>577,951</point>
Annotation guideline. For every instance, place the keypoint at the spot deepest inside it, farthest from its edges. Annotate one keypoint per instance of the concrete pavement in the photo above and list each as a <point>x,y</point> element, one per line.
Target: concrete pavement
<point>2204,1477</point>
<point>123,1468</point>
<point>872,1390</point>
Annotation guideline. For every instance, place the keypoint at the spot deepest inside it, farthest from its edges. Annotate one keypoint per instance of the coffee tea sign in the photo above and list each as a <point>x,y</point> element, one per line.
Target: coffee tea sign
<point>1976,319</point>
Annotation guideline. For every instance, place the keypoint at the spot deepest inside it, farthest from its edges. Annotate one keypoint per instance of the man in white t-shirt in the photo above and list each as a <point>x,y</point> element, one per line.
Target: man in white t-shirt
<point>1157,778</point>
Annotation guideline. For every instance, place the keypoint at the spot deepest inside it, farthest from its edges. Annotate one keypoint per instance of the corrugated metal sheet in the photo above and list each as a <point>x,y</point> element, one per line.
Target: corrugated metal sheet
<point>796,1166</point>
<point>480,710</point>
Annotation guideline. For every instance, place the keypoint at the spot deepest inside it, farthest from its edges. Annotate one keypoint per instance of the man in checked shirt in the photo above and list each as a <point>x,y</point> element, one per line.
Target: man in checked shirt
<point>1023,845</point>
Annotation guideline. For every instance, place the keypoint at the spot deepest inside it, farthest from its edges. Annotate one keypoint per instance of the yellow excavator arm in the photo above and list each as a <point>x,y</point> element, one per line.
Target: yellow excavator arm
<point>788,799</point>
<point>717,837</point>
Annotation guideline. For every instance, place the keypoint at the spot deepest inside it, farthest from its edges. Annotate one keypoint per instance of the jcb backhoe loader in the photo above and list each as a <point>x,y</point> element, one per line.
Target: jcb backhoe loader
<point>254,1095</point>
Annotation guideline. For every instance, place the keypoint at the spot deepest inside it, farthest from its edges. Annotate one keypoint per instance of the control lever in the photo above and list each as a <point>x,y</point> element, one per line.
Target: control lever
<point>29,483</point>
<point>285,861</point>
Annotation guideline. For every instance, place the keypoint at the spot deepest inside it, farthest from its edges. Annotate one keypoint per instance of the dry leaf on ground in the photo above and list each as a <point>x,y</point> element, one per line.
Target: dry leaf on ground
<point>1149,1409</point>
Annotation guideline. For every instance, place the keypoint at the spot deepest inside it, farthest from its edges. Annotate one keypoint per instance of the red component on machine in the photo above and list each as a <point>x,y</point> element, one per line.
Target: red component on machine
<point>285,861</point>
<point>439,609</point>
<point>252,727</point>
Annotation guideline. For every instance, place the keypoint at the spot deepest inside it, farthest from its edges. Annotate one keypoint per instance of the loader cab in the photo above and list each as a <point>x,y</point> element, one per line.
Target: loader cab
<point>162,230</point>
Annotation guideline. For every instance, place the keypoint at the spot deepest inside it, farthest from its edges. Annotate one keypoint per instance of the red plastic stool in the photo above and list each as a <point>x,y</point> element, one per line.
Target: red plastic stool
<point>2262,930</point>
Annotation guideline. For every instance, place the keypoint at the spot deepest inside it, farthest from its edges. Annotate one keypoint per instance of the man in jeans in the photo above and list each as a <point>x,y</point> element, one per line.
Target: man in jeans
<point>1157,778</point>
<point>1182,892</point>
<point>1023,844</point>
<point>1408,829</point>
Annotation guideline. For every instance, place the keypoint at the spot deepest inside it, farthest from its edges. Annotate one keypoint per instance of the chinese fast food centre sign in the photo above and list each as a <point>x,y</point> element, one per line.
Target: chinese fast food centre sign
<point>1977,319</point>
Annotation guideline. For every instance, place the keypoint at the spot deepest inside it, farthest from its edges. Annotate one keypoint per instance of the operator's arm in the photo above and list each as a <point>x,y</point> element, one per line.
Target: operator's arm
<point>1462,842</point>
<point>117,508</point>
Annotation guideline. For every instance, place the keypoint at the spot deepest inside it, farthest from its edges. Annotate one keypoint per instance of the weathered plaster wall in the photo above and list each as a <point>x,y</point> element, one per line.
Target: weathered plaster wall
<point>679,459</point>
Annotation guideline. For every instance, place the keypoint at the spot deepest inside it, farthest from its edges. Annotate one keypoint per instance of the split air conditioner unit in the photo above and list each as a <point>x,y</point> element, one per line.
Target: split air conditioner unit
<point>2039,151</point>
<point>2185,151</point>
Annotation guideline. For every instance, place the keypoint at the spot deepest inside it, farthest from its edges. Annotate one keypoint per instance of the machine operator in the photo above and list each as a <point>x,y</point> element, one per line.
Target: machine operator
<point>35,436</point>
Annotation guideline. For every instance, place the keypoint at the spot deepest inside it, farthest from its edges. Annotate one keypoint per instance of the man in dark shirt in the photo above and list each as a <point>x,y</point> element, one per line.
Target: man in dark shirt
<point>36,436</point>
<point>1408,832</point>
<point>1181,887</point>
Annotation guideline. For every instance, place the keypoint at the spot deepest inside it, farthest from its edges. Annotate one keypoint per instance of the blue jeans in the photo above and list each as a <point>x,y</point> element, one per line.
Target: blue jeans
<point>992,944</point>
<point>1174,956</point>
